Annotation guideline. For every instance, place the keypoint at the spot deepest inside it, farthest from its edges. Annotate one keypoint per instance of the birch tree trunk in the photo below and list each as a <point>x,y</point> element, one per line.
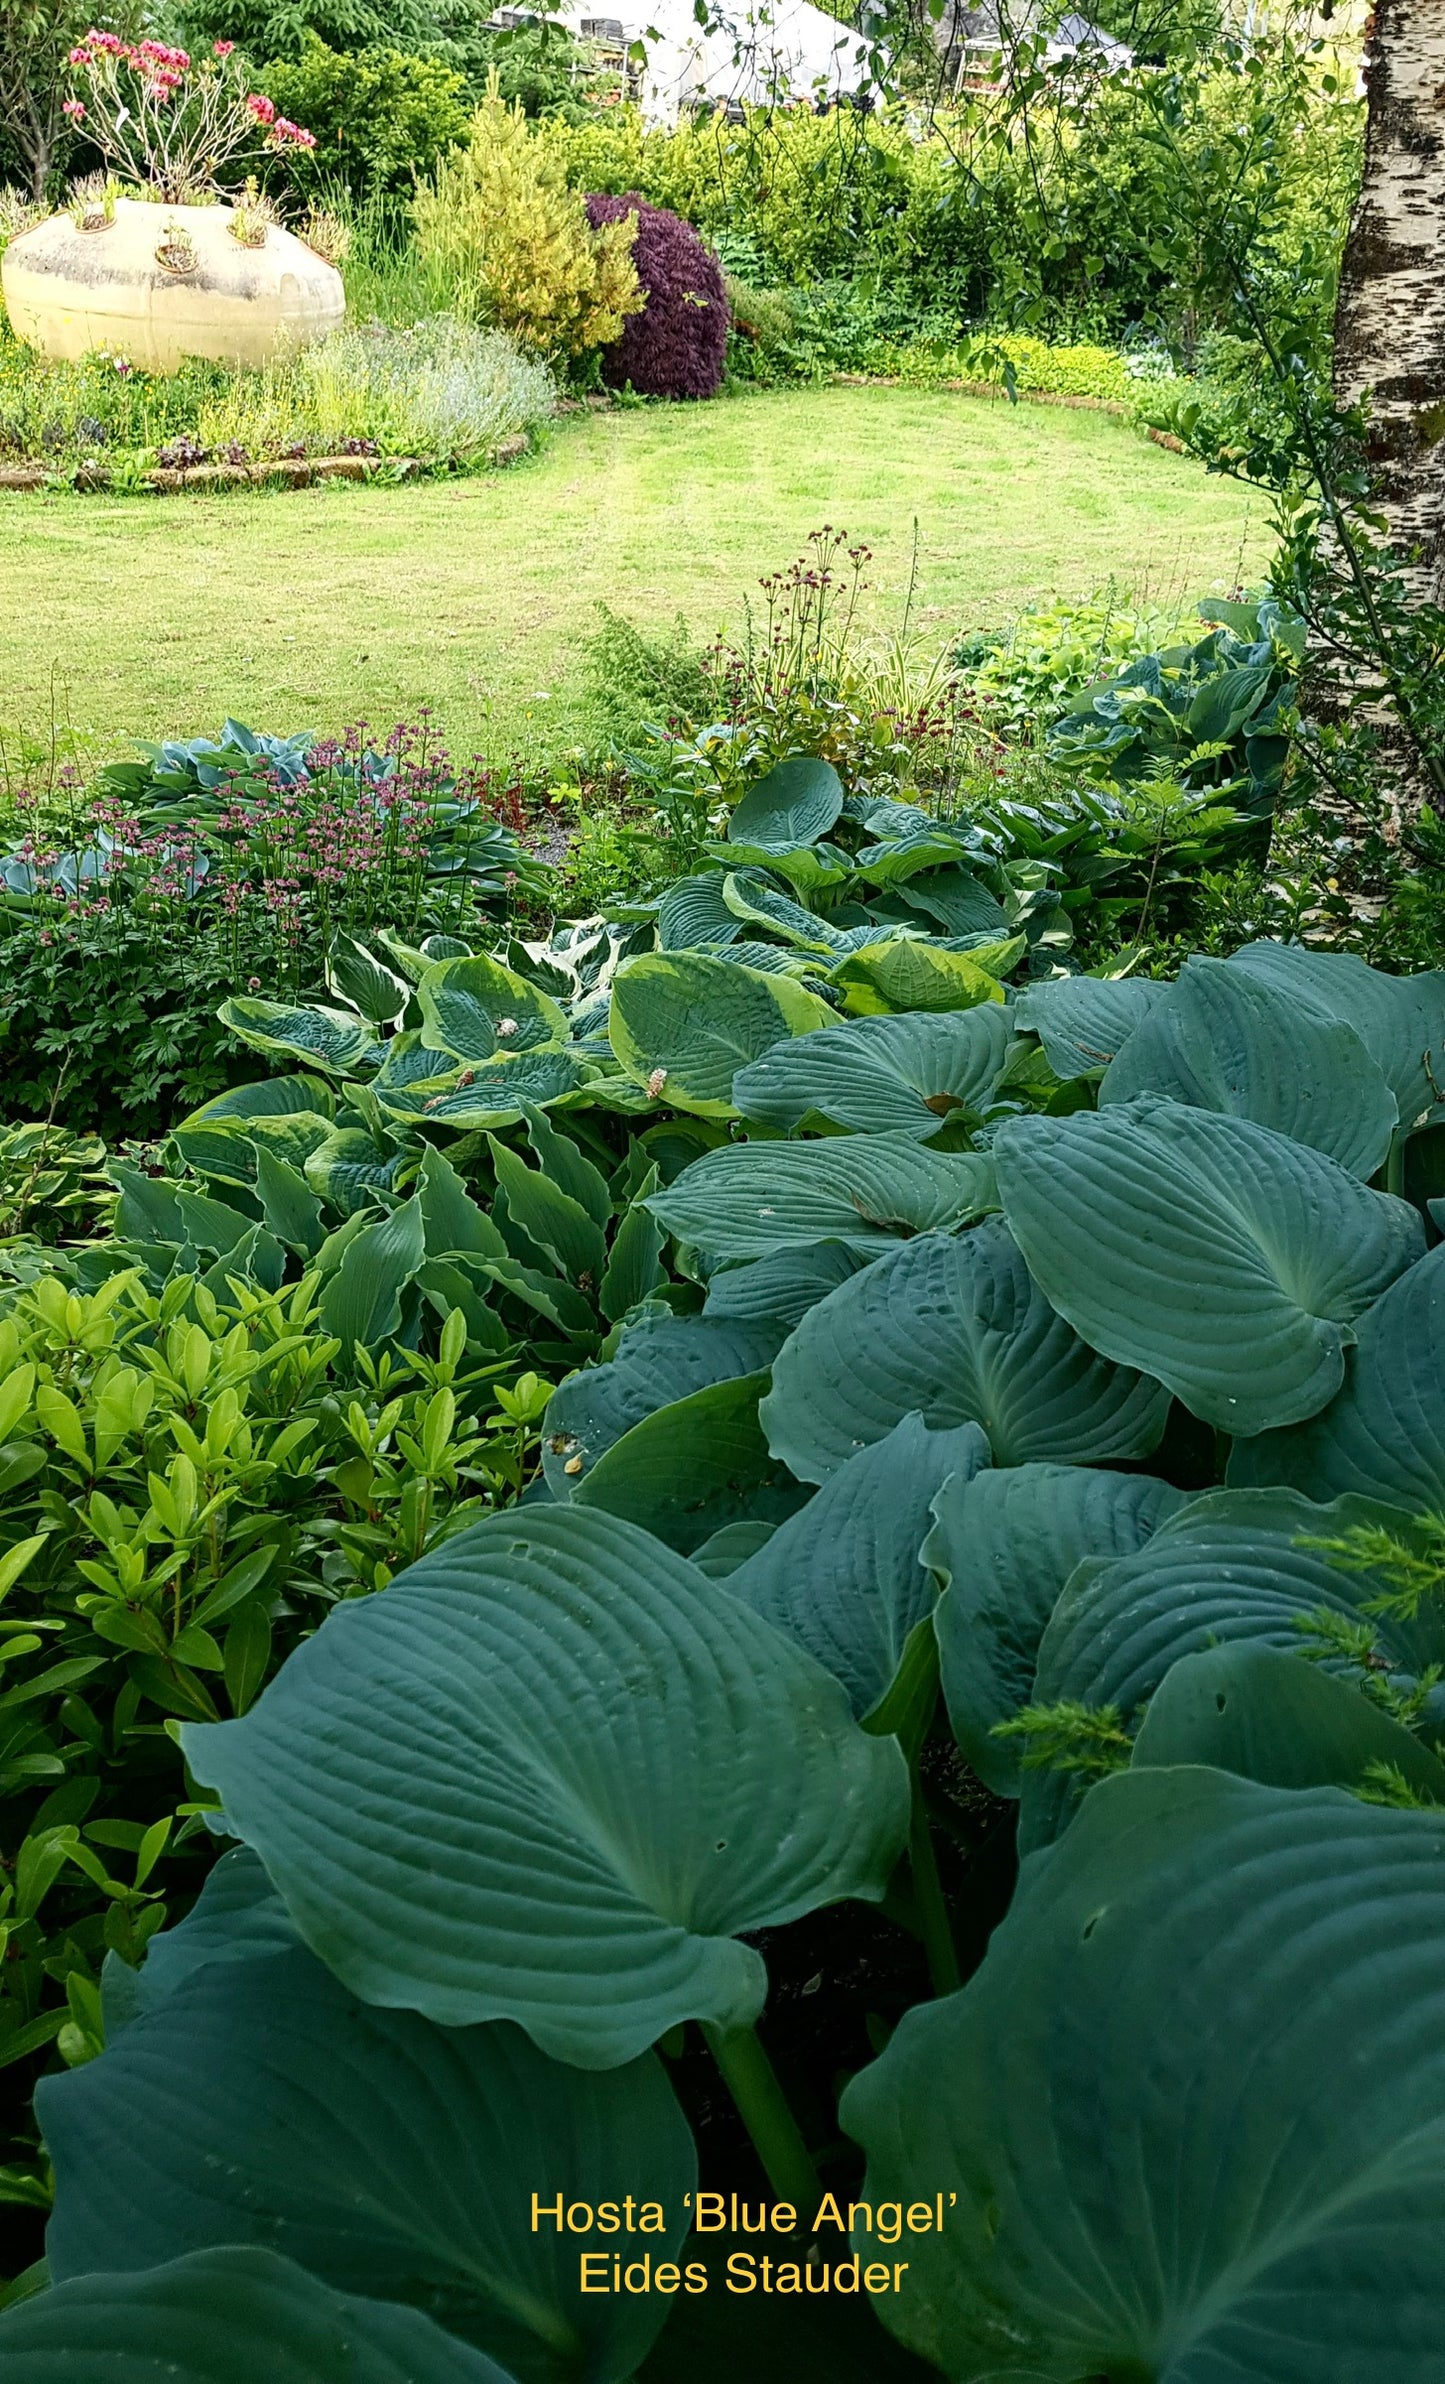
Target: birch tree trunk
<point>1390,318</point>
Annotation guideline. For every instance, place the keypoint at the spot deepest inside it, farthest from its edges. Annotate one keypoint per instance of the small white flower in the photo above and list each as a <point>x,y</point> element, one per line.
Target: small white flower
<point>656,1081</point>
<point>506,1026</point>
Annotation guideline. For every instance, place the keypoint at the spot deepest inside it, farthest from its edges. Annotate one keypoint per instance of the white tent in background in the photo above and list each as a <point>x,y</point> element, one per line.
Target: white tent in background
<point>750,52</point>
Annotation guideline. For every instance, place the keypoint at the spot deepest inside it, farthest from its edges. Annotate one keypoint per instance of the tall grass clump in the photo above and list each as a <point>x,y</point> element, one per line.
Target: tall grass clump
<point>438,388</point>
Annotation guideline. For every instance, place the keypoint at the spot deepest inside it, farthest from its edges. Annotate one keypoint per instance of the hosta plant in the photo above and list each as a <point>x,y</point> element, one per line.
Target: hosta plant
<point>1047,1383</point>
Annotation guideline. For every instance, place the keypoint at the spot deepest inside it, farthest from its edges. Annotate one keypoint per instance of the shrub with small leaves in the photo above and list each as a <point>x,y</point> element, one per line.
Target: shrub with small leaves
<point>677,346</point>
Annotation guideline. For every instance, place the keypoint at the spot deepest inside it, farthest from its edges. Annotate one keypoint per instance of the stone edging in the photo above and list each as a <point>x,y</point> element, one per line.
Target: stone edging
<point>283,472</point>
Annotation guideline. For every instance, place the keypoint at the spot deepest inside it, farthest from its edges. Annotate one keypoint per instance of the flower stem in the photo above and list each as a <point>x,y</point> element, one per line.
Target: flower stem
<point>752,2082</point>
<point>933,1917</point>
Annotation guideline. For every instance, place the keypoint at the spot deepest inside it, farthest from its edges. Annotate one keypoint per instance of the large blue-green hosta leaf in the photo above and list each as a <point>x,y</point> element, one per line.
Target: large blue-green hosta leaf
<point>1083,1021</point>
<point>903,1075</point>
<point>1220,1257</point>
<point>796,803</point>
<point>1234,1565</point>
<point>751,1199</point>
<point>1220,1039</point>
<point>687,1469</point>
<point>230,2316</point>
<point>683,1023</point>
<point>549,1777</point>
<point>1383,1433</point>
<point>951,1326</point>
<point>1192,2105</point>
<point>1400,1020</point>
<point>658,1360</point>
<point>845,1576</point>
<point>783,1286</point>
<point>1004,1543</point>
<point>1266,1716</point>
<point>258,2102</point>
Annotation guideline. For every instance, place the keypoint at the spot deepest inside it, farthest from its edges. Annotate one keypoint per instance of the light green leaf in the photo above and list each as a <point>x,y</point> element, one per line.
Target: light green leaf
<point>361,1300</point>
<point>688,1468</point>
<point>685,1023</point>
<point>1173,2157</point>
<point>1383,1433</point>
<point>658,1360</point>
<point>1220,1039</point>
<point>904,1075</point>
<point>1004,1544</point>
<point>259,2103</point>
<point>550,1776</point>
<point>1082,1022</point>
<point>908,974</point>
<point>1222,1258</point>
<point>864,1190</point>
<point>477,1009</point>
<point>845,1575</point>
<point>796,803</point>
<point>288,1204</point>
<point>953,1328</point>
<point>336,1040</point>
<point>228,2316</point>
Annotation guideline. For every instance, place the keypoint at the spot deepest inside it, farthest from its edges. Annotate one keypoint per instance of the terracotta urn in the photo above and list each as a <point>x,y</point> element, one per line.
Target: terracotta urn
<point>159,283</point>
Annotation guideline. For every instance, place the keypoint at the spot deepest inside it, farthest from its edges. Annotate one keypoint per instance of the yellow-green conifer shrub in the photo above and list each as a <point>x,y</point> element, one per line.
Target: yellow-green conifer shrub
<point>499,221</point>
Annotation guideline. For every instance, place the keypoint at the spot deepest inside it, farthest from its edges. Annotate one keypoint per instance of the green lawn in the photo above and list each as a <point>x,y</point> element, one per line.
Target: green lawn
<point>151,617</point>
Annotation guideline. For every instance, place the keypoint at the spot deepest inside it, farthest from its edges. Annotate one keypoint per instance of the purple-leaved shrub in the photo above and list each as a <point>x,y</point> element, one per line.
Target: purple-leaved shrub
<point>676,346</point>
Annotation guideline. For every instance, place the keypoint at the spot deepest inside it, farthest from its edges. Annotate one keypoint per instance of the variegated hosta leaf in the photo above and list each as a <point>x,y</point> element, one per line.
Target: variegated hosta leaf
<point>475,1008</point>
<point>336,1040</point>
<point>683,1023</point>
<point>907,973</point>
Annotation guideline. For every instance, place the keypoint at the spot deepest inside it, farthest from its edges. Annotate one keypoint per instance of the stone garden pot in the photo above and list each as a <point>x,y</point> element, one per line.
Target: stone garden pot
<point>69,291</point>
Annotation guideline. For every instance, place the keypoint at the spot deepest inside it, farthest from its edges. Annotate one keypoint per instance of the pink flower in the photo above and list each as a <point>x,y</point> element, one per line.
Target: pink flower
<point>223,49</point>
<point>80,56</point>
<point>74,109</point>
<point>263,109</point>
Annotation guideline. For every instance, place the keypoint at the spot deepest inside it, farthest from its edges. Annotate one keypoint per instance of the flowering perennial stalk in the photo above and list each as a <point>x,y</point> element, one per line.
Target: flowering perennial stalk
<point>170,122</point>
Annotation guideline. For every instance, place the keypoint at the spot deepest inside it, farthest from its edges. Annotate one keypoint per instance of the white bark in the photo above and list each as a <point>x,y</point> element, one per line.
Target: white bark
<point>1390,321</point>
